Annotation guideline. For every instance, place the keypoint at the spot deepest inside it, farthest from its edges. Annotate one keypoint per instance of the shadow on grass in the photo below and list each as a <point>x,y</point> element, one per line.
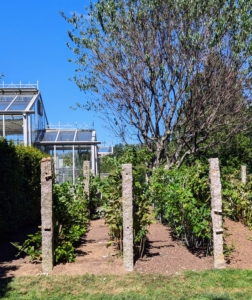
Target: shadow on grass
<point>4,282</point>
<point>209,297</point>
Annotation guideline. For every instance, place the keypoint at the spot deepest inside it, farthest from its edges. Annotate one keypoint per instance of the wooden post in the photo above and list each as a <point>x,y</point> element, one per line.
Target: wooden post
<point>216,213</point>
<point>127,201</point>
<point>47,214</point>
<point>243,174</point>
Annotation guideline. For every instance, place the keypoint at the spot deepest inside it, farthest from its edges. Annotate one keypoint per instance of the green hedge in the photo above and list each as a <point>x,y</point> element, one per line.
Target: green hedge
<point>182,198</point>
<point>19,186</point>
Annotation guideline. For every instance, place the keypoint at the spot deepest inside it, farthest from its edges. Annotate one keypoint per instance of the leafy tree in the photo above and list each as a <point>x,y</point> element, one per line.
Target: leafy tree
<point>107,163</point>
<point>176,74</point>
<point>68,160</point>
<point>118,150</point>
<point>237,153</point>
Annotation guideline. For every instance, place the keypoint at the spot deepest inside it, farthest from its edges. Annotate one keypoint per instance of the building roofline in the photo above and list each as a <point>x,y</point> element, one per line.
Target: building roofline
<point>68,143</point>
<point>18,91</point>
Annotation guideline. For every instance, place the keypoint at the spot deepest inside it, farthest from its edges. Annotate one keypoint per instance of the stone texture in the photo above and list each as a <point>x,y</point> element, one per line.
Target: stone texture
<point>47,214</point>
<point>127,201</point>
<point>216,213</point>
<point>243,174</point>
<point>86,174</point>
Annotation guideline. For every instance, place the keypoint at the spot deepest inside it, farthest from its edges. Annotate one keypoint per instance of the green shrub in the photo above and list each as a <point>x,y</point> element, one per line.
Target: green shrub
<point>71,220</point>
<point>111,188</point>
<point>182,198</point>
<point>94,202</point>
<point>19,186</point>
<point>237,198</point>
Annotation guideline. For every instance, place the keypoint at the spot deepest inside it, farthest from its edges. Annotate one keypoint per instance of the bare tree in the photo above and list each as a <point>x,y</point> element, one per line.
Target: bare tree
<point>175,73</point>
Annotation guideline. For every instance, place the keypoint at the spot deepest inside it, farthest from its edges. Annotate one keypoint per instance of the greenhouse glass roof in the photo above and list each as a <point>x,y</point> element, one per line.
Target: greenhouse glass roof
<point>69,136</point>
<point>15,100</point>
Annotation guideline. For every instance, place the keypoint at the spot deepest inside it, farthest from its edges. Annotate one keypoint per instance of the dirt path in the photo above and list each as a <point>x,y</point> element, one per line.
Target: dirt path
<point>163,255</point>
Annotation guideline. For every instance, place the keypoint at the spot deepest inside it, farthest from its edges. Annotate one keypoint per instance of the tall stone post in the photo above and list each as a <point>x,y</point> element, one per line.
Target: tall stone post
<point>216,212</point>
<point>47,214</point>
<point>86,174</point>
<point>127,201</point>
<point>243,174</point>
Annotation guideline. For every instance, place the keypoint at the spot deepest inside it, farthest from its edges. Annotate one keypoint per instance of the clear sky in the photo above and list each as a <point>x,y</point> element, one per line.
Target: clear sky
<point>33,47</point>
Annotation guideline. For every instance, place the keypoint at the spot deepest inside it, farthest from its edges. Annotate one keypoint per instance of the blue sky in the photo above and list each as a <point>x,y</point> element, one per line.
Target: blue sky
<point>33,47</point>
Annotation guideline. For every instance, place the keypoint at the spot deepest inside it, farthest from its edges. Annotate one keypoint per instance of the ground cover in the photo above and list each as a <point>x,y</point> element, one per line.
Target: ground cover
<point>107,279</point>
<point>163,255</point>
<point>214,284</point>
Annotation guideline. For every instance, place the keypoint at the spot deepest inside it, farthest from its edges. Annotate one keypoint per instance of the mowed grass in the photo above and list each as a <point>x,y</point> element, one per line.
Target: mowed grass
<point>214,285</point>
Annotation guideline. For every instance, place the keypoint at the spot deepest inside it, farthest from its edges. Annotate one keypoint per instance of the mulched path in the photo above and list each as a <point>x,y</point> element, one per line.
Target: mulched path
<point>163,254</point>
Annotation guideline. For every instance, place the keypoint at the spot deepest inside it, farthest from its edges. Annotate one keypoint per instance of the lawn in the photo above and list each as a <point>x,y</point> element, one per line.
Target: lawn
<point>214,285</point>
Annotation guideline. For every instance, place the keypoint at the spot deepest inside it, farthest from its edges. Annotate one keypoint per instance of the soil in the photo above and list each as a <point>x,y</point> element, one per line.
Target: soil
<point>163,254</point>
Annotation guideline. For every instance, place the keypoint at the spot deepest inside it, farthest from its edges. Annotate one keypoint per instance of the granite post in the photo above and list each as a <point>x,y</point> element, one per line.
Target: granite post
<point>216,212</point>
<point>127,201</point>
<point>243,174</point>
<point>86,174</point>
<point>47,214</point>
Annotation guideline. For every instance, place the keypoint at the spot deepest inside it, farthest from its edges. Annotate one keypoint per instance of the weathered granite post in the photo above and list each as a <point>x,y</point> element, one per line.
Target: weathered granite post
<point>127,201</point>
<point>216,213</point>
<point>47,214</point>
<point>86,174</point>
<point>243,174</point>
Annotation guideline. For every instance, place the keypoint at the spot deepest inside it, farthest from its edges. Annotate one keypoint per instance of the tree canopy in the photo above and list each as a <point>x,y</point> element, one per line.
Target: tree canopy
<point>175,74</point>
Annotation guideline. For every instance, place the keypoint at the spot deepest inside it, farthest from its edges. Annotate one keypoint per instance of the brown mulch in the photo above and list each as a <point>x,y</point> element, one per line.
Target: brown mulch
<point>163,254</point>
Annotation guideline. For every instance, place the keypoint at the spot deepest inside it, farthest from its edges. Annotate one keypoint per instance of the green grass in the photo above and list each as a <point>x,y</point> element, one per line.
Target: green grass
<point>210,285</point>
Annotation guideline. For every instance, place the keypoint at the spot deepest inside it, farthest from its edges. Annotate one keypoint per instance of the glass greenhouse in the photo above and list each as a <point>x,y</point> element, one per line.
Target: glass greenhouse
<point>69,147</point>
<point>23,119</point>
<point>22,114</point>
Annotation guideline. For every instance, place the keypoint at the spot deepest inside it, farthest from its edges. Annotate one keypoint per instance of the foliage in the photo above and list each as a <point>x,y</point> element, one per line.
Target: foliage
<point>31,246</point>
<point>70,209</point>
<point>231,157</point>
<point>106,165</point>
<point>111,188</point>
<point>94,197</point>
<point>227,284</point>
<point>68,160</point>
<point>238,153</point>
<point>237,198</point>
<point>182,198</point>
<point>118,150</point>
<point>19,186</point>
<point>70,212</point>
<point>175,74</point>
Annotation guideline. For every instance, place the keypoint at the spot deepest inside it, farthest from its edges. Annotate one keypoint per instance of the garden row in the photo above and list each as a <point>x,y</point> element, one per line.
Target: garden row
<point>180,197</point>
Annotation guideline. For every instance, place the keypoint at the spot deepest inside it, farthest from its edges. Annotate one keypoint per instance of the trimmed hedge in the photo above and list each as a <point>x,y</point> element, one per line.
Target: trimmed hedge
<point>19,186</point>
